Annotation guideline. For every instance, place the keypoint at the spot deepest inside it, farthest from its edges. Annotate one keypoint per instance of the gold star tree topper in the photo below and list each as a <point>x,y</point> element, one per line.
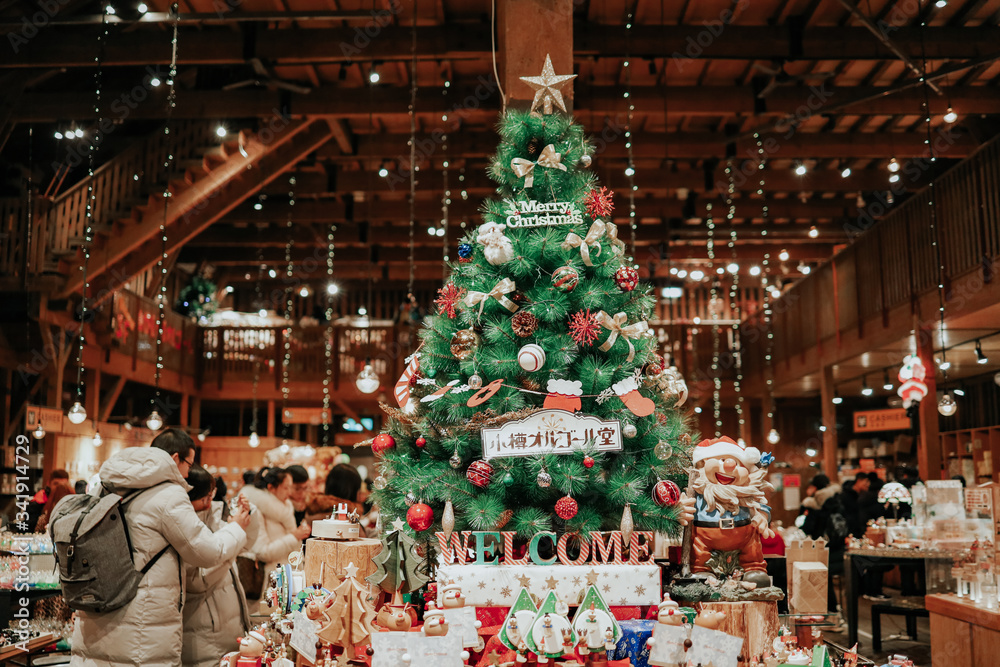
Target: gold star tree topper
<point>547,87</point>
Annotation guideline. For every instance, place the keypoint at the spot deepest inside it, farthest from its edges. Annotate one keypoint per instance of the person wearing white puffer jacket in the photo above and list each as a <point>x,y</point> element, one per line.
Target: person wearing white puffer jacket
<point>148,630</point>
<point>278,536</point>
<point>216,612</point>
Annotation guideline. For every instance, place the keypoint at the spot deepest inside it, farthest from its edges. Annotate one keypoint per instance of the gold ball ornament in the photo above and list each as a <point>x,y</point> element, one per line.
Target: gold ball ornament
<point>464,343</point>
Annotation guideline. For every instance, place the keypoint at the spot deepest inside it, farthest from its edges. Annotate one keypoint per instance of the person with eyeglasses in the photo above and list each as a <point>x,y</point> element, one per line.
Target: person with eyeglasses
<point>149,629</point>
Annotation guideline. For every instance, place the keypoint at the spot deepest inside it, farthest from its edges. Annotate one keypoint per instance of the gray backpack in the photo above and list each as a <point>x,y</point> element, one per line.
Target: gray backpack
<point>94,551</point>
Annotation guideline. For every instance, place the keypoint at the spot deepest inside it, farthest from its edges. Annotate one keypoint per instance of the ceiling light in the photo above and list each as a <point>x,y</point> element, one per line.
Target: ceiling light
<point>58,134</point>
<point>837,399</point>
<point>262,312</point>
<point>886,383</point>
<point>373,76</point>
<point>79,133</point>
<point>893,165</point>
<point>894,178</point>
<point>258,206</point>
<point>97,440</point>
<point>304,292</point>
<point>733,267</point>
<point>142,8</point>
<point>951,116</point>
<point>76,413</point>
<point>154,422</point>
<point>697,274</point>
<point>845,172</point>
<point>944,364</point>
<point>367,381</point>
<point>941,4</point>
<point>773,436</point>
<point>865,389</point>
<point>110,10</point>
<point>697,320</point>
<point>800,170</point>
<point>958,392</point>
<point>980,357</point>
<point>822,428</point>
<point>720,270</point>
<point>810,452</point>
<point>783,255</point>
<point>362,311</point>
<point>697,410</point>
<point>775,293</point>
<point>229,289</point>
<point>272,273</point>
<point>220,131</point>
<point>673,270</point>
<point>629,171</point>
<point>154,82</point>
<point>39,432</point>
<point>813,232</point>
<point>332,289</point>
<point>253,440</point>
<point>383,171</point>
<point>672,292</point>
<point>431,231</point>
<point>754,270</point>
<point>682,273</point>
<point>440,231</point>
<point>947,405</point>
<point>804,268</point>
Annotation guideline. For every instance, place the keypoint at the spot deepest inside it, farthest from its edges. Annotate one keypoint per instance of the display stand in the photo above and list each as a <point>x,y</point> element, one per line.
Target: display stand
<point>963,633</point>
<point>9,653</point>
<point>326,559</point>
<point>756,622</point>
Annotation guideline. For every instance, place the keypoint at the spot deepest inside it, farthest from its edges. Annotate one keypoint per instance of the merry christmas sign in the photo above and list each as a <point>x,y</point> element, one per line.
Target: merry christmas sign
<point>551,432</point>
<point>542,214</point>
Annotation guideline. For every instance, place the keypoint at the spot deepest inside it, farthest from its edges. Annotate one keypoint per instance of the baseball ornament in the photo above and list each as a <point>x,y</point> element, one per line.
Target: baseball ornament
<point>565,278</point>
<point>382,442</point>
<point>626,278</point>
<point>464,344</point>
<point>566,508</point>
<point>666,493</point>
<point>531,357</point>
<point>479,474</point>
<point>419,517</point>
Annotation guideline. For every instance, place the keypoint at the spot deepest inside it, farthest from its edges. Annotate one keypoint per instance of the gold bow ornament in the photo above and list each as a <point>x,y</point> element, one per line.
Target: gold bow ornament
<point>548,159</point>
<point>618,326</point>
<point>598,229</point>
<point>503,288</point>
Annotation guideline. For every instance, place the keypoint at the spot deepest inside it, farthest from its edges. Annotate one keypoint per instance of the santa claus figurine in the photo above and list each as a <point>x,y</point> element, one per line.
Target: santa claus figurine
<point>729,507</point>
<point>435,624</point>
<point>452,596</point>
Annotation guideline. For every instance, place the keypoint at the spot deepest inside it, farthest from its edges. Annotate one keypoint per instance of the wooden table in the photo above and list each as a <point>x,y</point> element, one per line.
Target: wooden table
<point>33,646</point>
<point>963,634</point>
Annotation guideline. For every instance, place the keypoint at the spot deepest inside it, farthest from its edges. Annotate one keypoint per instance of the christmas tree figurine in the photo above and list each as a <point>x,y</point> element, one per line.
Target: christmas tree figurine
<point>551,631</point>
<point>545,306</point>
<point>593,619</point>
<point>346,615</point>
<point>518,622</point>
<point>400,569</point>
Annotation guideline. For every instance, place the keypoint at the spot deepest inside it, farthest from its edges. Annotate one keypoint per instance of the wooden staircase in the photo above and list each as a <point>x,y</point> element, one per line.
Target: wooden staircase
<point>208,182</point>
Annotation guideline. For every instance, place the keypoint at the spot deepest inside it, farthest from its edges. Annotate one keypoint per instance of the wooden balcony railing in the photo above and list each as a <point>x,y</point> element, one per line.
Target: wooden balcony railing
<point>893,264</point>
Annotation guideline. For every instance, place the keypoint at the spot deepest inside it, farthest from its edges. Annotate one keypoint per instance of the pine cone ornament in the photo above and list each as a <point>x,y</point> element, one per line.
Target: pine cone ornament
<point>524,324</point>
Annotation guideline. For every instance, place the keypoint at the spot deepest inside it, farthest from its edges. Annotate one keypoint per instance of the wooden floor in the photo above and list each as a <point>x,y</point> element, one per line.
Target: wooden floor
<point>918,651</point>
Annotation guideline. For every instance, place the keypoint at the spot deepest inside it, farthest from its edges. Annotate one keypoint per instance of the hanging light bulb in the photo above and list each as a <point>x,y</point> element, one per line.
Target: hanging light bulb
<point>220,131</point>
<point>886,383</point>
<point>837,399</point>
<point>951,116</point>
<point>800,170</point>
<point>773,436</point>
<point>39,432</point>
<point>783,255</point>
<point>697,274</point>
<point>253,440</point>
<point>154,422</point>
<point>980,357</point>
<point>76,413</point>
<point>629,171</point>
<point>810,452</point>
<point>373,75</point>
<point>97,440</point>
<point>865,389</point>
<point>383,171</point>
<point>754,270</point>
<point>367,381</point>
<point>947,405</point>
<point>733,267</point>
<point>845,172</point>
<point>893,165</point>
<point>813,232</point>
<point>332,289</point>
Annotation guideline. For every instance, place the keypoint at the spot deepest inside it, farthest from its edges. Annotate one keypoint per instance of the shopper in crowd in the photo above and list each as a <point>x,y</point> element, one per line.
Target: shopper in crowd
<point>57,478</point>
<point>148,630</point>
<point>343,484</point>
<point>215,608</point>
<point>868,504</point>
<point>248,477</point>
<point>59,492</point>
<point>80,486</point>
<point>824,518</point>
<point>959,478</point>
<point>300,487</point>
<point>850,499</point>
<point>279,534</point>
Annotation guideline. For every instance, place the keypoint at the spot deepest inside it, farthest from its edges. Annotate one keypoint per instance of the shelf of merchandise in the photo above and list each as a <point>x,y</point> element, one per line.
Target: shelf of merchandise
<point>974,453</point>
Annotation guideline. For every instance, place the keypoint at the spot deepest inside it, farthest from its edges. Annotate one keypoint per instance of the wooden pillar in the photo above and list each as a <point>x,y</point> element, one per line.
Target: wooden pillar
<point>929,442</point>
<point>271,423</point>
<point>527,30</point>
<point>829,413</point>
<point>196,412</point>
<point>185,410</point>
<point>92,394</point>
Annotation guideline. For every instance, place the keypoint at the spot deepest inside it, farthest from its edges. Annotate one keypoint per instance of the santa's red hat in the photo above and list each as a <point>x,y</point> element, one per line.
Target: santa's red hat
<point>726,446</point>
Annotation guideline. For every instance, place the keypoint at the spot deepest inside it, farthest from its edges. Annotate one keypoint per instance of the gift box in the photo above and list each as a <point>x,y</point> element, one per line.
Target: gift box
<point>632,645</point>
<point>326,559</point>
<point>808,589</point>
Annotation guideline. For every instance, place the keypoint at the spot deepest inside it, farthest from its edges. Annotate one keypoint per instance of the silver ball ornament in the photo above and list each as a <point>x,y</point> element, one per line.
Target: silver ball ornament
<point>544,479</point>
<point>455,461</point>
<point>586,160</point>
<point>629,430</point>
<point>663,450</point>
<point>475,382</point>
<point>410,499</point>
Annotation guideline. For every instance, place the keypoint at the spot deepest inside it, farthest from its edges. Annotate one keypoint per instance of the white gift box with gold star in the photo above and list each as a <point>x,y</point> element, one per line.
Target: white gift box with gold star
<point>497,585</point>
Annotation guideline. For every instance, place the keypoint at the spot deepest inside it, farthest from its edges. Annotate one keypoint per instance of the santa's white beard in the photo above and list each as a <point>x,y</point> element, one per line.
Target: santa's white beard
<point>730,497</point>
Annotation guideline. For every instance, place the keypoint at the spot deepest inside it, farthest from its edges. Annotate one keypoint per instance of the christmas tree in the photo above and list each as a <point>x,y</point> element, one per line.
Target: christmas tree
<point>542,309</point>
<point>400,569</point>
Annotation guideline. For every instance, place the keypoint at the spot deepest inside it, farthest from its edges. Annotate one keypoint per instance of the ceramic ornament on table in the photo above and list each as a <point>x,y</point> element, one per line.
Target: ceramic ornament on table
<point>346,616</point>
<point>714,647</point>
<point>250,652</point>
<point>551,629</point>
<point>593,619</point>
<point>519,619</point>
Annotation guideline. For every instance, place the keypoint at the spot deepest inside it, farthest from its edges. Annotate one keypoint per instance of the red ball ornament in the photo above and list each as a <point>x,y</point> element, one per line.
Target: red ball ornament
<point>626,278</point>
<point>420,516</point>
<point>666,493</point>
<point>421,442</point>
<point>382,442</point>
<point>588,461</point>
<point>566,508</point>
<point>479,474</point>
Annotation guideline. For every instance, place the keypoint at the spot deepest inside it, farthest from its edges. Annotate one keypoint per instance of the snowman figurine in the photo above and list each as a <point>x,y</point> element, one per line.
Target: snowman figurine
<point>435,624</point>
<point>667,613</point>
<point>513,632</point>
<point>453,598</point>
<point>551,643</point>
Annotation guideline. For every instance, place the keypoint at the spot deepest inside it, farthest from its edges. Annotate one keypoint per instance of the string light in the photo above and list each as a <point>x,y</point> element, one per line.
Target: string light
<point>734,286</point>
<point>328,338</point>
<point>286,337</point>
<point>716,380</point>
<point>154,421</point>
<point>446,196</point>
<point>258,343</point>
<point>773,436</point>
<point>627,95</point>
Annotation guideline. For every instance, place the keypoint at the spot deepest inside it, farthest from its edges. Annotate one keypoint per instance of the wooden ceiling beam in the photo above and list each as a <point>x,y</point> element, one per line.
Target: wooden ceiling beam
<point>391,101</point>
<point>57,46</point>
